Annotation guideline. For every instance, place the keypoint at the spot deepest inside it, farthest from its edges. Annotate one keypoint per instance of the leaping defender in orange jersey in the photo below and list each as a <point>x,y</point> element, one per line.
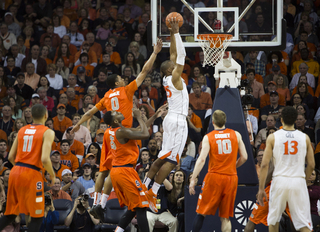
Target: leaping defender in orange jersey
<point>118,98</point>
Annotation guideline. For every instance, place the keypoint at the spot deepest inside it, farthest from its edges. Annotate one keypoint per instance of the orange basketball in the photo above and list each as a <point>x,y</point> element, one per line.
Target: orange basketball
<point>173,15</point>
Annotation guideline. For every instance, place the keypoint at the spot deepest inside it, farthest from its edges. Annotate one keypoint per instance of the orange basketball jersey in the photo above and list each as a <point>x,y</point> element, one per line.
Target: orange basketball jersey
<point>106,153</point>
<point>223,151</point>
<point>30,140</point>
<point>120,99</point>
<point>124,154</point>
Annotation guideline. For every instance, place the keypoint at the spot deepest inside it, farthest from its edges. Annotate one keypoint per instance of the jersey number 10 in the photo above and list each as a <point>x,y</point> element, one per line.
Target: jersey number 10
<point>27,143</point>
<point>224,146</point>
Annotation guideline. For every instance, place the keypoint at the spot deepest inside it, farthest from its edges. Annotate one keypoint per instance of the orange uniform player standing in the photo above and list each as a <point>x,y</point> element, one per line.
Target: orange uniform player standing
<point>219,187</point>
<point>125,179</point>
<point>29,153</point>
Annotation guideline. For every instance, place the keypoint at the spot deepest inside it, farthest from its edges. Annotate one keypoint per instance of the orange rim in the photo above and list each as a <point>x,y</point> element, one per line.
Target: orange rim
<point>214,36</point>
<point>219,38</point>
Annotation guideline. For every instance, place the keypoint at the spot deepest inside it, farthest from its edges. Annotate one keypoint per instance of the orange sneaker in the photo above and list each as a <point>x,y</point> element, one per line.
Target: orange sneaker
<point>152,200</point>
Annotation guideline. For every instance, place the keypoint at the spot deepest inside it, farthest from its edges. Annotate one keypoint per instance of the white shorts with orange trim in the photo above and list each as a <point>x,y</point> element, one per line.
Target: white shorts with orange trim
<point>175,133</point>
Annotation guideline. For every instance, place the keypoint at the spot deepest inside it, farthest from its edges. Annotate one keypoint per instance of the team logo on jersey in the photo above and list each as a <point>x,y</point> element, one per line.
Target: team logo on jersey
<point>243,210</point>
<point>137,183</point>
<point>39,185</point>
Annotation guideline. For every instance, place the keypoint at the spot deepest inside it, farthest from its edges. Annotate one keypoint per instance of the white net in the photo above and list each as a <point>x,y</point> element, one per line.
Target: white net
<point>214,46</point>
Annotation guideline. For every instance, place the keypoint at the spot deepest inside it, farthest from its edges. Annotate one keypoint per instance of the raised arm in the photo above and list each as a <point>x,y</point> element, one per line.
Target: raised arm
<point>180,54</point>
<point>148,65</point>
<point>131,133</point>
<point>89,114</point>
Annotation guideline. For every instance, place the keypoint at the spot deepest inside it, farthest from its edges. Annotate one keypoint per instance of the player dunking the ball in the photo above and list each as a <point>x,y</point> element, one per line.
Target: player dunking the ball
<point>219,187</point>
<point>118,98</point>
<point>29,153</point>
<point>125,179</point>
<point>289,150</point>
<point>175,129</point>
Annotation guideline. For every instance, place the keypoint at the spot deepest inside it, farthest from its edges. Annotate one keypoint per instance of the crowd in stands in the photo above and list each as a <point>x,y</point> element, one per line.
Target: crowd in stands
<point>59,53</point>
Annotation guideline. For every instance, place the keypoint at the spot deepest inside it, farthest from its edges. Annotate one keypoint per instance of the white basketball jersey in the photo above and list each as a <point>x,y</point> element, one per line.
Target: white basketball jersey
<point>289,153</point>
<point>178,100</point>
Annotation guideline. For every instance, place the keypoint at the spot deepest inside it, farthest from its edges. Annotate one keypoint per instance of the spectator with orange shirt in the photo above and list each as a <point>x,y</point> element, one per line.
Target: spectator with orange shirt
<point>61,122</point>
<point>265,99</point>
<point>73,49</point>
<point>84,62</point>
<point>257,77</point>
<point>64,52</point>
<point>310,46</point>
<point>94,46</point>
<point>275,58</point>
<point>313,66</point>
<point>76,146</point>
<point>85,48</point>
<point>198,99</point>
<point>73,99</point>
<point>67,158</point>
<point>56,191</point>
<point>114,56</point>
<point>282,88</point>
<point>194,121</point>
<point>64,20</point>
<point>57,166</point>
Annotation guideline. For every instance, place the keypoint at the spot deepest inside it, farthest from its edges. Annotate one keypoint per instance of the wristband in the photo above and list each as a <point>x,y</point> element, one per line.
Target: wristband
<point>72,182</point>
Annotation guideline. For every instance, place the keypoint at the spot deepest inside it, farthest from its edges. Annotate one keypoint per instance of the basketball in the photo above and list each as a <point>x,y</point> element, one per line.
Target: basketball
<point>173,15</point>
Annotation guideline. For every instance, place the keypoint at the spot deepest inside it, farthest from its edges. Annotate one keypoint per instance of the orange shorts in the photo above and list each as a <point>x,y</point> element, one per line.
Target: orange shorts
<point>260,213</point>
<point>128,187</point>
<point>218,191</point>
<point>25,192</point>
<point>105,161</point>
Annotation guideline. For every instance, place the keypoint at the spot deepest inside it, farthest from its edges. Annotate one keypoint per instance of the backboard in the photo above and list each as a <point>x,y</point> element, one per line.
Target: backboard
<point>254,26</point>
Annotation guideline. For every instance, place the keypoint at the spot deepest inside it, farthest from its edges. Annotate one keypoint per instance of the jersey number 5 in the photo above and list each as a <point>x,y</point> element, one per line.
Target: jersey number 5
<point>114,103</point>
<point>224,146</point>
<point>293,148</point>
<point>169,93</point>
<point>27,143</point>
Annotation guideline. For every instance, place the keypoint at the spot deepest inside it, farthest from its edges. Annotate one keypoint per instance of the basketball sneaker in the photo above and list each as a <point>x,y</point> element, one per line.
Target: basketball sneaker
<point>97,212</point>
<point>152,200</point>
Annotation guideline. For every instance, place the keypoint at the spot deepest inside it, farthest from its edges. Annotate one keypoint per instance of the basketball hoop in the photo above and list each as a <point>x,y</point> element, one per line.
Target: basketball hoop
<point>213,46</point>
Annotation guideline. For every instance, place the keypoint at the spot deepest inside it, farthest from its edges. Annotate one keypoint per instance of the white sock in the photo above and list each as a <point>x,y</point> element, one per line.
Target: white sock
<point>119,229</point>
<point>96,198</point>
<point>104,200</point>
<point>155,188</point>
<point>147,181</point>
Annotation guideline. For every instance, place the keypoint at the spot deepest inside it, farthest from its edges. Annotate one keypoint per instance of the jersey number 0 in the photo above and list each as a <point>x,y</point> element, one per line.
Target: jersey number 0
<point>115,103</point>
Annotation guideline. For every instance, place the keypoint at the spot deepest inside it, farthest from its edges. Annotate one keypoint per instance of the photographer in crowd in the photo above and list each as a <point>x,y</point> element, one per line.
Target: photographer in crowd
<point>51,217</point>
<point>79,219</point>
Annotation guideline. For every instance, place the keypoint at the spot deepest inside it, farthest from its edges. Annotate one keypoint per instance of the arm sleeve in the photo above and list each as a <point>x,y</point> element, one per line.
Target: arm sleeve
<point>181,51</point>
